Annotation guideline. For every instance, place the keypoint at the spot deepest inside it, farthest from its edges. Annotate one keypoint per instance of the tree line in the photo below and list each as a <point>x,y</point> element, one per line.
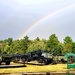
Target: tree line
<point>25,45</point>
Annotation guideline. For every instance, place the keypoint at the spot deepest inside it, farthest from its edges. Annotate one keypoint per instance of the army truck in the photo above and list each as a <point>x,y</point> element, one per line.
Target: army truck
<point>45,57</point>
<point>37,56</point>
<point>19,57</point>
<point>5,59</point>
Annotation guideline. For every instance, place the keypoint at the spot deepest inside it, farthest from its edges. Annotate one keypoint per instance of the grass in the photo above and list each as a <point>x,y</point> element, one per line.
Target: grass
<point>36,68</point>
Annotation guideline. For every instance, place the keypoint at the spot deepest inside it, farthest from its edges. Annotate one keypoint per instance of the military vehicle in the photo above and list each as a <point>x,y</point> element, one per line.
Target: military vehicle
<point>38,55</point>
<point>44,57</point>
<point>19,57</point>
<point>5,59</point>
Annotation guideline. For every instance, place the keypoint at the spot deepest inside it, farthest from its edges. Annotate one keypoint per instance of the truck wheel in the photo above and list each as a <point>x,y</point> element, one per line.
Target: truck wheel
<point>62,61</point>
<point>0,63</point>
<point>40,61</point>
<point>23,60</point>
<point>45,62</point>
<point>7,63</point>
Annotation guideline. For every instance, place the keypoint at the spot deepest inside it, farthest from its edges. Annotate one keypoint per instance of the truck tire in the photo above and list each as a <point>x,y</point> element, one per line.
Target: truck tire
<point>45,62</point>
<point>7,63</point>
<point>62,61</point>
<point>0,63</point>
<point>40,60</point>
<point>24,60</point>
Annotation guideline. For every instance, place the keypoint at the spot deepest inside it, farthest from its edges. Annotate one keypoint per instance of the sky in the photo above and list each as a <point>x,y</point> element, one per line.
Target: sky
<point>37,18</point>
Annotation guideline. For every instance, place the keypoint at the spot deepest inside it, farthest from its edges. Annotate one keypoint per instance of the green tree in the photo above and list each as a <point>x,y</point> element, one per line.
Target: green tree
<point>67,40</point>
<point>52,43</point>
<point>15,47</point>
<point>73,47</point>
<point>37,44</point>
<point>24,43</point>
<point>1,47</point>
<point>8,41</point>
<point>58,50</point>
<point>7,49</point>
<point>67,45</point>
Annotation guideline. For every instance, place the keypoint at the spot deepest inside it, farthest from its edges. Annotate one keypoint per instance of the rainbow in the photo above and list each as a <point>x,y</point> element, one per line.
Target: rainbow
<point>44,18</point>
